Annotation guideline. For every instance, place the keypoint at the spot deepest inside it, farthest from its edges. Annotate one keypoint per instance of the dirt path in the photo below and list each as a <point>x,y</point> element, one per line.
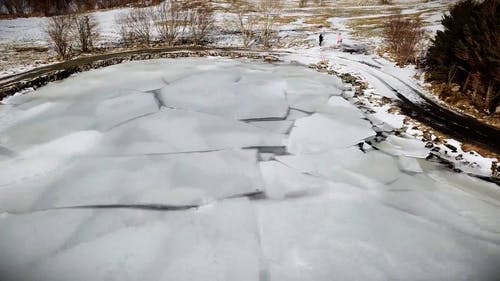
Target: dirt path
<point>414,103</point>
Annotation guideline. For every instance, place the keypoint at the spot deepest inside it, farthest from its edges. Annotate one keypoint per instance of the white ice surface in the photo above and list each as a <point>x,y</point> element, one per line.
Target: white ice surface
<point>323,210</point>
<point>150,179</point>
<point>320,132</point>
<point>217,242</point>
<point>233,95</point>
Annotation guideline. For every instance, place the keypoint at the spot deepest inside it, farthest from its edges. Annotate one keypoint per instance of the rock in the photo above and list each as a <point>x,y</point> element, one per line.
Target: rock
<point>429,145</point>
<point>459,157</point>
<point>271,59</point>
<point>455,88</point>
<point>451,147</point>
<point>495,170</point>
<point>427,135</point>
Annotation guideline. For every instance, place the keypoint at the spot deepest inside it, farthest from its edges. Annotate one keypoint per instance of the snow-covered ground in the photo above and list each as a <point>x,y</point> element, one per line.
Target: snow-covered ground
<point>300,33</point>
<point>219,169</point>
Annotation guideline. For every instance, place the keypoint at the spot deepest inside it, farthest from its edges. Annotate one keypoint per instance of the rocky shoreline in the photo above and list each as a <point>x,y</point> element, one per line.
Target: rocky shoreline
<point>433,140</point>
<point>36,78</point>
<point>41,76</point>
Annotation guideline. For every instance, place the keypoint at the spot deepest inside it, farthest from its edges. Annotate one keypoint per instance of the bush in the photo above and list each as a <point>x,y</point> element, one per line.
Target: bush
<point>169,21</point>
<point>85,31</point>
<point>467,52</point>
<point>257,20</point>
<point>245,20</point>
<point>135,26</point>
<point>403,37</point>
<point>200,19</point>
<point>59,31</point>
<point>269,11</point>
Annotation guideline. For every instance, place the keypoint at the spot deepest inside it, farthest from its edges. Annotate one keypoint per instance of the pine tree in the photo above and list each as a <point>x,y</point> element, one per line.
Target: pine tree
<point>467,51</point>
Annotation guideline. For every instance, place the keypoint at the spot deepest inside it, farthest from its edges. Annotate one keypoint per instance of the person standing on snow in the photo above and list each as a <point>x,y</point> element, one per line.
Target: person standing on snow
<point>339,39</point>
<point>321,39</point>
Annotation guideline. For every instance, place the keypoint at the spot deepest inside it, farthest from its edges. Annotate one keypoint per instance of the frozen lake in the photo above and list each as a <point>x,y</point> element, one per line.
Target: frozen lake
<point>219,169</point>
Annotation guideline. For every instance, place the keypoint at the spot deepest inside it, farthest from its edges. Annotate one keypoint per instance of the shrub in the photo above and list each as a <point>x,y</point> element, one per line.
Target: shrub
<point>245,20</point>
<point>403,36</point>
<point>467,52</point>
<point>135,26</point>
<point>257,20</point>
<point>269,11</point>
<point>169,20</point>
<point>200,19</point>
<point>59,31</point>
<point>85,31</point>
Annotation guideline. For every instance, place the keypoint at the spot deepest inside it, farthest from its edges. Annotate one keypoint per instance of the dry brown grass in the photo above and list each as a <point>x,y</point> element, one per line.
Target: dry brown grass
<point>286,19</point>
<point>467,147</point>
<point>318,20</point>
<point>457,100</point>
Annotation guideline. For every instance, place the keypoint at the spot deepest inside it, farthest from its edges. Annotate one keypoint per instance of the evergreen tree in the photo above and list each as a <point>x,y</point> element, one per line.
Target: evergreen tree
<point>467,51</point>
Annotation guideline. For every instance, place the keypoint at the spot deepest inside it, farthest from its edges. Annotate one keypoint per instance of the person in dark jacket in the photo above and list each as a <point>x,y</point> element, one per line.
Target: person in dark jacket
<point>321,39</point>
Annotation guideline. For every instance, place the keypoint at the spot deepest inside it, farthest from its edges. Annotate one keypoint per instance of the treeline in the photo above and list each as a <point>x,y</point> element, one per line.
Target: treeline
<point>465,57</point>
<point>18,8</point>
<point>172,22</point>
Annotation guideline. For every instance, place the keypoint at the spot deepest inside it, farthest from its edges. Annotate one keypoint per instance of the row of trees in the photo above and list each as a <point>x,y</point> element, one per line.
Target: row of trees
<point>171,22</point>
<point>191,21</point>
<point>70,33</point>
<point>58,7</point>
<point>467,52</point>
<point>256,20</point>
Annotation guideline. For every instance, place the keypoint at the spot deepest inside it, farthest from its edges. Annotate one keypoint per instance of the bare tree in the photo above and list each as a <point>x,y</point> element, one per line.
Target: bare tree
<point>269,11</point>
<point>200,19</point>
<point>169,20</point>
<point>135,26</point>
<point>403,36</point>
<point>59,31</point>
<point>245,20</point>
<point>85,30</point>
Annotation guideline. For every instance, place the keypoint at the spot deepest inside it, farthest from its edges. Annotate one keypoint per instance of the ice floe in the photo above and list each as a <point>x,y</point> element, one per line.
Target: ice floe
<point>219,169</point>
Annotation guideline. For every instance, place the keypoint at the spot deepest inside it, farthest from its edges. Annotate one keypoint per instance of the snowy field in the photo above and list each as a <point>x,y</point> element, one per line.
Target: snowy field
<point>219,169</point>
<point>298,28</point>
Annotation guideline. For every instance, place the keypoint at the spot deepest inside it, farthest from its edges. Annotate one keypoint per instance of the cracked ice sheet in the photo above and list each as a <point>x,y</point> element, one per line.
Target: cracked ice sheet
<point>348,165</point>
<point>173,131</point>
<point>341,109</point>
<point>236,95</point>
<point>321,132</point>
<point>350,235</point>
<point>216,242</point>
<point>49,121</point>
<point>462,206</point>
<point>399,146</point>
<point>103,82</point>
<point>282,181</point>
<point>173,180</point>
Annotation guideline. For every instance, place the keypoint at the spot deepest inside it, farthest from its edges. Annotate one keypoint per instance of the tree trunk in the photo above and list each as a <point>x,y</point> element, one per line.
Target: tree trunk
<point>466,83</point>
<point>490,98</point>
<point>451,73</point>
